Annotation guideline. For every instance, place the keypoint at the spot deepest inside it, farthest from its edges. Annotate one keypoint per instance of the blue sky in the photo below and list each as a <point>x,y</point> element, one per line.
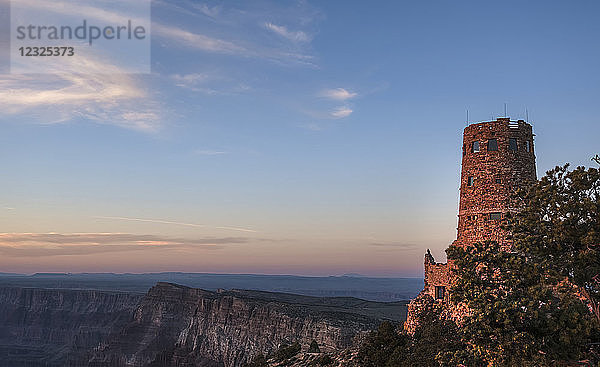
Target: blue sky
<point>286,137</point>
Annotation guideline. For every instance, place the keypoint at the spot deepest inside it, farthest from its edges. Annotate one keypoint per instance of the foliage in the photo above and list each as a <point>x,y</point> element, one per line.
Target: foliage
<point>380,345</point>
<point>515,316</point>
<point>436,336</point>
<point>531,305</point>
<point>324,360</point>
<point>287,351</point>
<point>388,348</point>
<point>258,361</point>
<point>314,347</point>
<point>560,229</point>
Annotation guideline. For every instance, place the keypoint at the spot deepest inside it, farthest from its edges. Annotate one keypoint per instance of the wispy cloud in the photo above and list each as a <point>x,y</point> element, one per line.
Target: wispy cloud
<point>97,91</point>
<point>199,41</point>
<point>209,83</point>
<point>89,86</point>
<point>55,244</point>
<point>324,114</point>
<point>94,89</point>
<point>190,80</point>
<point>294,36</point>
<point>209,11</point>
<point>338,94</point>
<point>190,8</point>
<point>189,38</point>
<point>161,221</point>
<point>210,152</point>
<point>236,30</point>
<point>171,33</point>
<point>341,112</point>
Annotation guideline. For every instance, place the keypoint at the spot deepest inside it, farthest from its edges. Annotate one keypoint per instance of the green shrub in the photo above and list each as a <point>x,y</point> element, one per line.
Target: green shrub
<point>287,351</point>
<point>325,360</point>
<point>258,361</point>
<point>314,347</point>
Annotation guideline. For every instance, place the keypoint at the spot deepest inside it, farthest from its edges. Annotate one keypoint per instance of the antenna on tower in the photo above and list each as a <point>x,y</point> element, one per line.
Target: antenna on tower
<point>467,117</point>
<point>505,110</point>
<point>527,115</point>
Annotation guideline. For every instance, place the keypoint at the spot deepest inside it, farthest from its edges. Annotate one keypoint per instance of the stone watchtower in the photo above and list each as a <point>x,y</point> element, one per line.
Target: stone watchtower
<point>497,159</point>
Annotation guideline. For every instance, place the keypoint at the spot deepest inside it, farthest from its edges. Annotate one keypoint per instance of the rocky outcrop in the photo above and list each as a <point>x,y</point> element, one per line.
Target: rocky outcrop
<point>174,325</point>
<point>180,326</point>
<point>48,327</point>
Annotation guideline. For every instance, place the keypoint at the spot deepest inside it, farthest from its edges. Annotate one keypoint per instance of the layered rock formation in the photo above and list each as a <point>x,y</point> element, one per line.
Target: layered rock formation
<point>174,325</point>
<point>180,326</point>
<point>46,327</point>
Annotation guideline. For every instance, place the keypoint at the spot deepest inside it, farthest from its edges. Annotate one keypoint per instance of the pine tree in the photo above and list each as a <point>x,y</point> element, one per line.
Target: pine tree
<point>314,347</point>
<point>536,304</point>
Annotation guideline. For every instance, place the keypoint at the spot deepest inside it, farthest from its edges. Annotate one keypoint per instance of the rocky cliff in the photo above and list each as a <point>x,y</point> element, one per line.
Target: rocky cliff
<point>180,326</point>
<point>46,327</point>
<point>173,325</point>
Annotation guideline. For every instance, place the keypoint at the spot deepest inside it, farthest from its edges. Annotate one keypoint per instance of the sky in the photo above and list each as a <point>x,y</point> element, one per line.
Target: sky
<point>285,137</point>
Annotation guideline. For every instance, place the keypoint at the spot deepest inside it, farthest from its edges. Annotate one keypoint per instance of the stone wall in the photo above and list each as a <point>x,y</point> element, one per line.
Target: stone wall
<point>436,275</point>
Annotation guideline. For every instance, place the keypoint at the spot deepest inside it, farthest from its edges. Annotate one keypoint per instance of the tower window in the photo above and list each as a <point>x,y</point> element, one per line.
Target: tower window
<point>492,145</point>
<point>498,181</point>
<point>440,292</point>
<point>512,144</point>
<point>475,147</point>
<point>470,181</point>
<point>528,146</point>
<point>495,216</point>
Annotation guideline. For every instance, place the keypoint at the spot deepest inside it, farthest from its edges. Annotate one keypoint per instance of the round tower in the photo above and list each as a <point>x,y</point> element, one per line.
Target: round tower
<point>498,158</point>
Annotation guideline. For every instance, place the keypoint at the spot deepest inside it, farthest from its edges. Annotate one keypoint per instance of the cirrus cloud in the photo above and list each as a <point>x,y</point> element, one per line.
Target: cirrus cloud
<point>294,36</point>
<point>341,112</point>
<point>338,94</point>
<point>93,90</point>
<point>61,244</point>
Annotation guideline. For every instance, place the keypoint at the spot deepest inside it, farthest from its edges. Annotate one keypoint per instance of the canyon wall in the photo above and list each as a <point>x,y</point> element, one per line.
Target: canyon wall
<point>173,325</point>
<point>47,327</point>
<point>180,326</point>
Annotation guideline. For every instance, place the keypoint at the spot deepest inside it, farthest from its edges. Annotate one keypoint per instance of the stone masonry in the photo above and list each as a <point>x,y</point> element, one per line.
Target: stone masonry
<point>497,159</point>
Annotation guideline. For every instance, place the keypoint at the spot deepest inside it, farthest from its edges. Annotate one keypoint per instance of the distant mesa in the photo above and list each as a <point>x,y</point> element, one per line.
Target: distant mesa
<point>354,275</point>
